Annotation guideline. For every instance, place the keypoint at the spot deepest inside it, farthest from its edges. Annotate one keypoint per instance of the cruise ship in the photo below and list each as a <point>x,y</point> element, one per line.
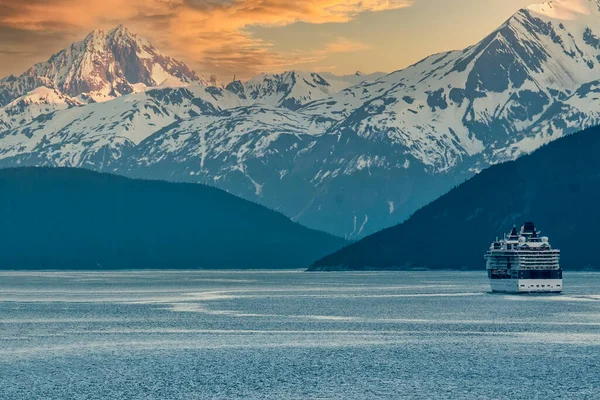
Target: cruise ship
<point>524,262</point>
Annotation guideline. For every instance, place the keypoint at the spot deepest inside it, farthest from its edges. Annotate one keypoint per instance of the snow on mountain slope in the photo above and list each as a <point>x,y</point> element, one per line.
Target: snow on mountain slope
<point>571,113</point>
<point>39,101</point>
<point>291,89</point>
<point>228,139</point>
<point>73,136</point>
<point>341,82</point>
<point>105,65</point>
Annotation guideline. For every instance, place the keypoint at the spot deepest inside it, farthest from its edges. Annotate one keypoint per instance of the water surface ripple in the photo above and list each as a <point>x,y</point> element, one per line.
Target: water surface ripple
<point>294,335</point>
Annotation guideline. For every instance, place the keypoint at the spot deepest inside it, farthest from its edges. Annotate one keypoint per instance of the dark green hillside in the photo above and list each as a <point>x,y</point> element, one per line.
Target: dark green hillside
<point>77,219</point>
<point>557,187</point>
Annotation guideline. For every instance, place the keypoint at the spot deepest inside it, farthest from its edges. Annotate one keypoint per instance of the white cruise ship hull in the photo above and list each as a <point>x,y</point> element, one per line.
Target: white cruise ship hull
<point>524,262</point>
<point>526,285</point>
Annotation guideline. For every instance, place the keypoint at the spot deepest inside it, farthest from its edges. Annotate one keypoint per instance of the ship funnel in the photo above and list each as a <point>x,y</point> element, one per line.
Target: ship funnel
<point>528,228</point>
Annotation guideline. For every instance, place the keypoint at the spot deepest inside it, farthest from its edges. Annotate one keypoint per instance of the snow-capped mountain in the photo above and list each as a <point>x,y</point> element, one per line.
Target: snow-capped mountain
<point>349,161</point>
<point>487,99</point>
<point>292,89</point>
<point>105,65</point>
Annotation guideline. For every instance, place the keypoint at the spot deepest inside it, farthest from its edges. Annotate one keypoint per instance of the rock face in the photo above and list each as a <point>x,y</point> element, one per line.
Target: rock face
<point>348,158</point>
<point>558,186</point>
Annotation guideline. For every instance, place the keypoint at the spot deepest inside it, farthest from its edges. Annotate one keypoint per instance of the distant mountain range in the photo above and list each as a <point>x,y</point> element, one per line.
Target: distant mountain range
<point>558,187</point>
<point>63,218</point>
<point>348,155</point>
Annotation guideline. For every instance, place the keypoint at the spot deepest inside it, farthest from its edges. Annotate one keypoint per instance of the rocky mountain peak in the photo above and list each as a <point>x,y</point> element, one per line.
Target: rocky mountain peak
<point>119,35</point>
<point>121,31</point>
<point>105,65</point>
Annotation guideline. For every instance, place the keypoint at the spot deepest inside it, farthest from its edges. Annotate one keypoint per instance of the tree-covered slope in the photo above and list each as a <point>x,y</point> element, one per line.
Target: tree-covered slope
<point>557,186</point>
<point>77,219</point>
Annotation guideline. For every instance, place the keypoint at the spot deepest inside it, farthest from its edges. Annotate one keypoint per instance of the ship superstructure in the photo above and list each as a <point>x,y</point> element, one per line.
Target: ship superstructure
<point>524,262</point>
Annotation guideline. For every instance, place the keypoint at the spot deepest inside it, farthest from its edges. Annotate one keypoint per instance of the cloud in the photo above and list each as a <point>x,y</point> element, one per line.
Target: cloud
<point>231,59</point>
<point>209,33</point>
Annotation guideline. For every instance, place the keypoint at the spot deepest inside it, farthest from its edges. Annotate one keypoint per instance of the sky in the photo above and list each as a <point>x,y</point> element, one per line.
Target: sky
<point>246,37</point>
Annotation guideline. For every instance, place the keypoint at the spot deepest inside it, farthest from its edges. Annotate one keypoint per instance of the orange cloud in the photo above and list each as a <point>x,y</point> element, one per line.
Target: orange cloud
<point>210,33</point>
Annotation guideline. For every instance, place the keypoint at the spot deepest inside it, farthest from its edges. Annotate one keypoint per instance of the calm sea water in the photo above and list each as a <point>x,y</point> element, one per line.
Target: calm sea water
<point>294,335</point>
